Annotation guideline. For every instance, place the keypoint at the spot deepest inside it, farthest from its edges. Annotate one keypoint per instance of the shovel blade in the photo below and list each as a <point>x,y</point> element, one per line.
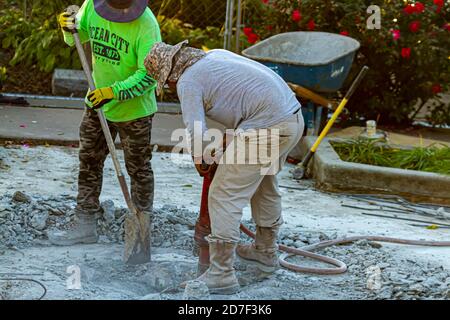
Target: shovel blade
<point>137,239</point>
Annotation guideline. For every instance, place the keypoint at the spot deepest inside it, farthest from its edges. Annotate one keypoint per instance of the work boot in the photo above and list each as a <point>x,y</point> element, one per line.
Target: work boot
<point>220,278</point>
<point>263,252</point>
<point>82,230</point>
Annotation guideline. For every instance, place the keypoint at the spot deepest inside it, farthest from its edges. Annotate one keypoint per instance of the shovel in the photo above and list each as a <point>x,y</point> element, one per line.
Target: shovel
<point>300,170</point>
<point>137,224</point>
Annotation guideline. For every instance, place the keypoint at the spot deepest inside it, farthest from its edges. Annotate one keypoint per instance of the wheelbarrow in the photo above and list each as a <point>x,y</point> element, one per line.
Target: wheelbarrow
<point>318,61</point>
<point>313,63</point>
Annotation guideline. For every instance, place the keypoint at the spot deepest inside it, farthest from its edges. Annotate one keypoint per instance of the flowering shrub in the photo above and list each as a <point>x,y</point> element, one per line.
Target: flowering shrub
<point>409,56</point>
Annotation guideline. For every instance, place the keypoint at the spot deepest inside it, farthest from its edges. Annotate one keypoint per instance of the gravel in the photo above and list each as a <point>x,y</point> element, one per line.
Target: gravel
<point>25,219</point>
<point>374,271</point>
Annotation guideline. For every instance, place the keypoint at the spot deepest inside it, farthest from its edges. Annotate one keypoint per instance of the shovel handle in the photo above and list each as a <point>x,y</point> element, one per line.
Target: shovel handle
<point>105,127</point>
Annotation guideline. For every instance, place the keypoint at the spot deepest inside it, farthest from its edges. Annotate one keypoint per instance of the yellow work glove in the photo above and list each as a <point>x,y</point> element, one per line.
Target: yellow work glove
<point>67,21</point>
<point>100,97</point>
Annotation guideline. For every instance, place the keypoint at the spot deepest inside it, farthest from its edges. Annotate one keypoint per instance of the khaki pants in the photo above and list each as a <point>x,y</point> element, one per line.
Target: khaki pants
<point>236,185</point>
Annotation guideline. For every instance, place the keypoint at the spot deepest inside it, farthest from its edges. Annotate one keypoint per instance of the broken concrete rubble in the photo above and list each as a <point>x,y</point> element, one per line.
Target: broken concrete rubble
<point>19,196</point>
<point>24,218</point>
<point>22,224</point>
<point>310,216</point>
<point>196,290</point>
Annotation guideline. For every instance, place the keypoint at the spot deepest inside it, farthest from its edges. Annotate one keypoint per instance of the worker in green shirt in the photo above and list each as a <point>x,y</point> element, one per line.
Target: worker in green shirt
<point>121,34</point>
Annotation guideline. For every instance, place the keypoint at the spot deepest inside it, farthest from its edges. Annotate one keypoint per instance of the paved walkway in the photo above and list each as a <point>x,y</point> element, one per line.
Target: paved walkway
<point>61,125</point>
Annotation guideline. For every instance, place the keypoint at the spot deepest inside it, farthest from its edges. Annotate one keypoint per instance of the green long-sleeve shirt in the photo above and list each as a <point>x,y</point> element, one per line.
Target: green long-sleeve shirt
<point>118,53</point>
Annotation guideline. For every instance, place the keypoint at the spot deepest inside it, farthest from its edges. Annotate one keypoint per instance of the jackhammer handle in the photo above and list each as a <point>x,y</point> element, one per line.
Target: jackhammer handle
<point>105,127</point>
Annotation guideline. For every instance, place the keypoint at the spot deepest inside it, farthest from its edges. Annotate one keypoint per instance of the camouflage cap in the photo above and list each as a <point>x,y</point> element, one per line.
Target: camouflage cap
<point>167,62</point>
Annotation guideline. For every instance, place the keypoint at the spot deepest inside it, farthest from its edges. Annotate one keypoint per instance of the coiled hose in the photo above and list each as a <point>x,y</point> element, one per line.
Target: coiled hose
<point>341,267</point>
<point>44,289</point>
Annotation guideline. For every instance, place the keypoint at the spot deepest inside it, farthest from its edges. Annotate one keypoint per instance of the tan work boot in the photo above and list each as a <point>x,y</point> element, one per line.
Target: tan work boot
<point>220,277</point>
<point>82,230</point>
<point>263,252</point>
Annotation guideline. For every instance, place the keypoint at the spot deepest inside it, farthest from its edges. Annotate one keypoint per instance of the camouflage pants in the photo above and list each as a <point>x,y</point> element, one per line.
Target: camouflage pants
<point>135,139</point>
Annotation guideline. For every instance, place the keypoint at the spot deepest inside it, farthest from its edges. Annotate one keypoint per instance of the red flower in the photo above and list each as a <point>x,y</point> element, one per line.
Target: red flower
<point>436,89</point>
<point>414,26</point>
<point>420,7</point>
<point>409,9</point>
<point>252,38</point>
<point>311,25</point>
<point>265,1</point>
<point>396,34</point>
<point>248,31</point>
<point>296,16</point>
<point>406,53</point>
<point>345,33</point>
<point>447,26</point>
<point>269,27</point>
<point>439,4</point>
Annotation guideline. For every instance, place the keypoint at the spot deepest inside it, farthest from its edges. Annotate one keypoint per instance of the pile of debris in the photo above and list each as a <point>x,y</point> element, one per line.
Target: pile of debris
<point>25,220</point>
<point>374,271</point>
<point>378,272</point>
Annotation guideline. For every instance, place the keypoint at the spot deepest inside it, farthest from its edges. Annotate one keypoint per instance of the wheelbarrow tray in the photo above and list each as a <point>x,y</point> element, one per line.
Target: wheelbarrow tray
<point>319,61</point>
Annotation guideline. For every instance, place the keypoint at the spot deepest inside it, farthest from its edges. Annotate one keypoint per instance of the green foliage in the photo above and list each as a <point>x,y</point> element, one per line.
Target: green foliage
<point>199,13</point>
<point>35,36</point>
<point>362,151</point>
<point>199,21</point>
<point>430,159</point>
<point>397,86</point>
<point>3,75</point>
<point>174,31</point>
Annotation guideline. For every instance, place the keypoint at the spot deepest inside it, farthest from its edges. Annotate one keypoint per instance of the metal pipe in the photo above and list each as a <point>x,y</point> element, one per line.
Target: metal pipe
<point>230,34</point>
<point>238,26</point>
<point>59,102</point>
<point>38,97</point>
<point>226,25</point>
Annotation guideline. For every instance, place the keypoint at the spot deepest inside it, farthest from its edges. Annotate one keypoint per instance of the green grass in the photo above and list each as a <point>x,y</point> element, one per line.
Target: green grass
<point>435,158</point>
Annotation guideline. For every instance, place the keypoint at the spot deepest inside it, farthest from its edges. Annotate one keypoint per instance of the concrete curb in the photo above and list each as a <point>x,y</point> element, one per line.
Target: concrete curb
<point>60,126</point>
<point>333,174</point>
<point>78,103</point>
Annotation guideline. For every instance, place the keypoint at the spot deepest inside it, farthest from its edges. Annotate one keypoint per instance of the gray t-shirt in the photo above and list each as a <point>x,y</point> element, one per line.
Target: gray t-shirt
<point>234,91</point>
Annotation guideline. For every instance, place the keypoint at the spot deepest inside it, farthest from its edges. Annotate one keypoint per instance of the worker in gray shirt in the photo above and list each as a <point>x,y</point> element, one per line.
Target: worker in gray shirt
<point>266,124</point>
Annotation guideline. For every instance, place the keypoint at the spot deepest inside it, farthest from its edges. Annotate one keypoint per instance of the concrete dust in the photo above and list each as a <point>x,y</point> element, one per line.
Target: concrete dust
<point>37,193</point>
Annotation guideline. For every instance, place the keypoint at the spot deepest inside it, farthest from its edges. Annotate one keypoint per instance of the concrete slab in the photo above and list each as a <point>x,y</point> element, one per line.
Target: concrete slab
<point>331,173</point>
<point>61,126</point>
<point>69,83</point>
<point>39,124</point>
